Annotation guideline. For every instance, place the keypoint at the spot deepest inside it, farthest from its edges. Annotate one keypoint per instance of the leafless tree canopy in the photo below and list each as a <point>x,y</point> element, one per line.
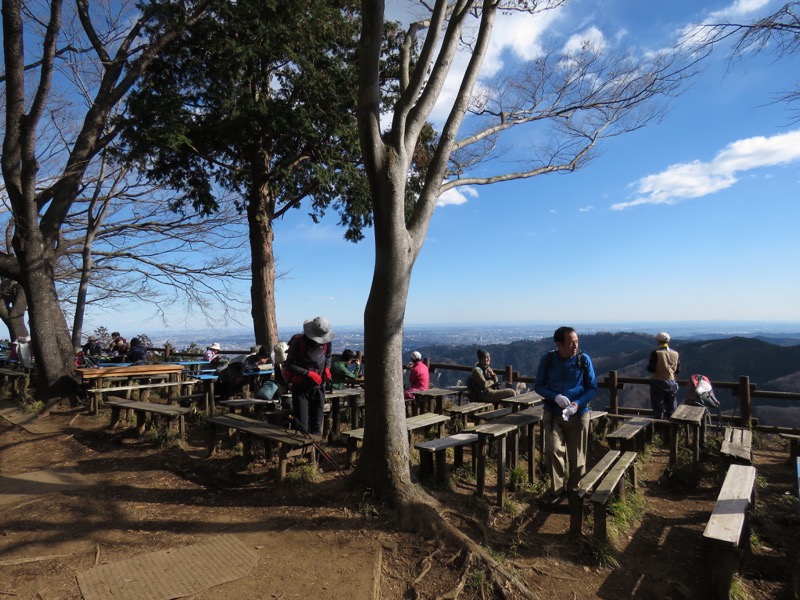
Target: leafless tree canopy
<point>778,33</point>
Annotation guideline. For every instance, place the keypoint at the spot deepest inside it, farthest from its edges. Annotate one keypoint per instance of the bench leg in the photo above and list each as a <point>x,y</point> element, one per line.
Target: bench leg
<point>481,474</point>
<point>181,428</point>
<point>115,413</point>
<point>141,422</point>
<point>352,450</point>
<point>722,567</point>
<point>531,450</point>
<point>425,464</point>
<point>600,529</point>
<point>575,512</point>
<point>501,470</point>
<point>283,460</point>
<point>458,457</point>
<point>673,443</point>
<point>212,441</point>
<point>441,466</point>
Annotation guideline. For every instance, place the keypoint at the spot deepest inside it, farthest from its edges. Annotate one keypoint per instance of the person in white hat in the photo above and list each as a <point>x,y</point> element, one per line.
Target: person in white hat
<point>419,378</point>
<point>212,353</point>
<point>307,368</point>
<point>664,364</point>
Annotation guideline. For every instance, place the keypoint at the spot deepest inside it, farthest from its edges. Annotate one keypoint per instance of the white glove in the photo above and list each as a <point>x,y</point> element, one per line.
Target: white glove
<point>562,401</point>
<point>569,411</point>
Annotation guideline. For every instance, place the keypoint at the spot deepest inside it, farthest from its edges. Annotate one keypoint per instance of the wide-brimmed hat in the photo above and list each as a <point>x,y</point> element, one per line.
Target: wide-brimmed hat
<point>319,330</point>
<point>662,337</point>
<point>215,346</point>
<point>280,349</point>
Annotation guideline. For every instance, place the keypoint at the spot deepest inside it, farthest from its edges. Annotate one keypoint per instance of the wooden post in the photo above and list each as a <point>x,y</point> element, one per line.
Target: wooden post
<point>613,399</point>
<point>509,376</point>
<point>167,351</point>
<point>744,400</point>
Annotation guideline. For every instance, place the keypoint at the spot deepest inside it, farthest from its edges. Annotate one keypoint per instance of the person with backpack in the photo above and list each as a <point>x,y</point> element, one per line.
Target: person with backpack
<point>307,368</point>
<point>664,364</point>
<point>565,379</point>
<point>483,385</point>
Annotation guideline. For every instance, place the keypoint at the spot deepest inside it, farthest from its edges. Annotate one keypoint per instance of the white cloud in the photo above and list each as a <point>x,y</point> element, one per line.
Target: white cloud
<point>456,196</point>
<point>591,39</point>
<point>697,179</point>
<point>586,208</point>
<point>737,10</point>
<point>699,34</point>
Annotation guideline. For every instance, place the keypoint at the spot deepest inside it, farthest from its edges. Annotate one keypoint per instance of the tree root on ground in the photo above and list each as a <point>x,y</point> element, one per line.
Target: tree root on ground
<point>462,581</point>
<point>425,567</point>
<point>417,509</point>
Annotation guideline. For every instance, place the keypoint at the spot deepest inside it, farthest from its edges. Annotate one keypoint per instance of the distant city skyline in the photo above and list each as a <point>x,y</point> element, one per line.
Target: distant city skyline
<point>484,333</point>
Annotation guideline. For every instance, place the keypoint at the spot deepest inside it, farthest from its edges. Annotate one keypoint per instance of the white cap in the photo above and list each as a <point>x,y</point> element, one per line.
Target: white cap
<point>662,337</point>
<point>416,355</point>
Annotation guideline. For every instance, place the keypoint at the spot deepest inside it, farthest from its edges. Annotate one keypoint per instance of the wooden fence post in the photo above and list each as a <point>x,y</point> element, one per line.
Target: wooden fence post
<point>167,351</point>
<point>509,376</point>
<point>613,399</point>
<point>744,400</point>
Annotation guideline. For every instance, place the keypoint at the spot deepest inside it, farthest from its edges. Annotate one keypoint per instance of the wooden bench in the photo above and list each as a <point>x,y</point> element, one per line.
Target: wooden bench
<point>632,435</point>
<point>737,445</point>
<point>464,411</point>
<point>491,415</point>
<point>603,481</point>
<point>437,449</point>
<point>246,404</point>
<point>727,530</point>
<point>289,443</point>
<point>413,424</point>
<point>498,431</point>
<point>693,417</point>
<point>143,409</point>
<point>94,379</point>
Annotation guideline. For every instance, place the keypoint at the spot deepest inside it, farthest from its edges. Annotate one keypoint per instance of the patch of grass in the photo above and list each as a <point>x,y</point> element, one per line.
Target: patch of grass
<point>683,473</point>
<point>739,589</point>
<point>32,406</point>
<point>366,507</point>
<point>163,436</point>
<point>512,507</point>
<point>517,476</point>
<point>627,514</point>
<point>604,553</point>
<point>304,472</point>
<point>498,556</point>
<point>755,543</point>
<point>463,472</point>
<point>478,580</point>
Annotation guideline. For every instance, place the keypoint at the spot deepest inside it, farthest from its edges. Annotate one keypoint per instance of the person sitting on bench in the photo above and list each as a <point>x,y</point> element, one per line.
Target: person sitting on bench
<point>566,380</point>
<point>483,383</point>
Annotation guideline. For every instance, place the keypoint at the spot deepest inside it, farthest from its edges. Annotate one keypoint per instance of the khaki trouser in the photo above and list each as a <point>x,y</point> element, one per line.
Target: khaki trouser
<point>496,396</point>
<point>565,442</point>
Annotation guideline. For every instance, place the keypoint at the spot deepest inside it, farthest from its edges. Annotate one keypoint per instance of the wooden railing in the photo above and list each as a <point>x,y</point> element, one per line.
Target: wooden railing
<point>743,389</point>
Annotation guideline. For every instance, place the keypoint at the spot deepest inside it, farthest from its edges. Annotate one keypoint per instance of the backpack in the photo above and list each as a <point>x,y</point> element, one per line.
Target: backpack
<point>583,364</point>
<point>297,347</point>
<point>701,393</point>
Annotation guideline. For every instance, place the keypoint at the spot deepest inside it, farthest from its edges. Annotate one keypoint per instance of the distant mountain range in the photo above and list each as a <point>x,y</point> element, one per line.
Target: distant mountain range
<point>771,363</point>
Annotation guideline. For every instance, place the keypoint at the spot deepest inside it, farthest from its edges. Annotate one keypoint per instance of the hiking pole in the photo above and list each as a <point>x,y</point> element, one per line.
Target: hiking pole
<point>316,444</point>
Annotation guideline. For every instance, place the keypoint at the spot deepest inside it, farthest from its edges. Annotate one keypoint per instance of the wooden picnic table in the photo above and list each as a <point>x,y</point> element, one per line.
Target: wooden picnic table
<point>693,417</point>
<point>498,430</point>
<point>349,395</point>
<point>423,398</point>
<point>94,379</point>
<point>525,400</point>
<point>413,424</point>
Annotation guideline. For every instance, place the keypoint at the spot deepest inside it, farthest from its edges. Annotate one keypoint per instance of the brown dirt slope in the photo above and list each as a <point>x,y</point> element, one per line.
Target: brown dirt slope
<point>323,539</point>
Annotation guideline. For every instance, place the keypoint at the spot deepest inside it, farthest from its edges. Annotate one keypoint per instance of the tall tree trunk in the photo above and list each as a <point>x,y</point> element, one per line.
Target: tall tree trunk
<point>262,289</point>
<point>52,346</point>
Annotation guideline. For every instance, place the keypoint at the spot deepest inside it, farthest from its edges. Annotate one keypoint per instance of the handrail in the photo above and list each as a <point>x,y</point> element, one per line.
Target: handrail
<point>742,389</point>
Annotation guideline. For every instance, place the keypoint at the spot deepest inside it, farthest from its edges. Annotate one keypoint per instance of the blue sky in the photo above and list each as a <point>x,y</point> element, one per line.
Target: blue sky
<point>693,218</point>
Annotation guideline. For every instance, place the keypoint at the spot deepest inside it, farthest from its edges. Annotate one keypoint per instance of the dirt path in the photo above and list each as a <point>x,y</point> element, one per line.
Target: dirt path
<point>328,540</point>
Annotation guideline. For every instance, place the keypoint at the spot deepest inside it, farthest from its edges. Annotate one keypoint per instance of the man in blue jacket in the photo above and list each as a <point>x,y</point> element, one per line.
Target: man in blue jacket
<point>566,380</point>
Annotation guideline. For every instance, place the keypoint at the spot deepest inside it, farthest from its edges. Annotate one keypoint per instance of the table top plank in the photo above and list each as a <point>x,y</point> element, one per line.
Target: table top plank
<point>687,413</point>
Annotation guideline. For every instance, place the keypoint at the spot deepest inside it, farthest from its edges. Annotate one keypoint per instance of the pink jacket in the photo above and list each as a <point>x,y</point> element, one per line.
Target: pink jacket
<point>418,378</point>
